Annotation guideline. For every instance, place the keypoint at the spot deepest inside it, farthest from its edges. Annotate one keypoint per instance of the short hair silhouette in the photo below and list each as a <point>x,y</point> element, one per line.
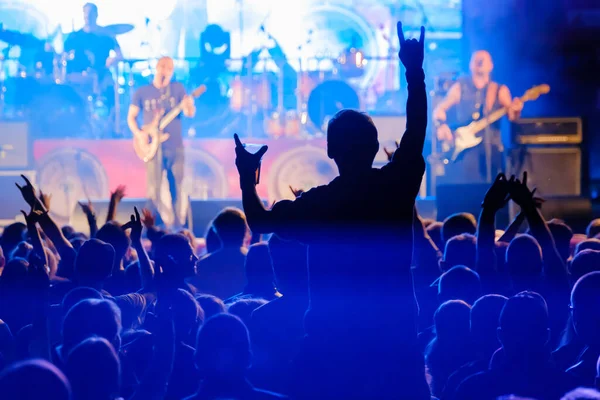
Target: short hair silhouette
<point>458,224</point>
<point>175,256</point>
<point>12,235</point>
<point>459,283</point>
<point>452,319</point>
<point>243,308</point>
<point>593,228</point>
<point>34,379</point>
<point>460,250</point>
<point>588,244</point>
<point>211,305</point>
<point>223,347</point>
<point>585,303</point>
<point>94,262</point>
<point>79,294</point>
<point>583,263</point>
<point>352,139</point>
<point>91,317</point>
<point>434,231</point>
<point>231,227</point>
<point>524,325</point>
<point>290,265</point>
<point>258,267</point>
<point>524,257</point>
<point>113,234</point>
<point>187,313</point>
<point>94,370</point>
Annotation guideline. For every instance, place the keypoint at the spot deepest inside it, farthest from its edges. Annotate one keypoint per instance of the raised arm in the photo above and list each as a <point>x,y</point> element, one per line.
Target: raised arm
<point>115,199</point>
<point>412,55</point>
<point>554,267</point>
<point>146,271</point>
<point>495,199</point>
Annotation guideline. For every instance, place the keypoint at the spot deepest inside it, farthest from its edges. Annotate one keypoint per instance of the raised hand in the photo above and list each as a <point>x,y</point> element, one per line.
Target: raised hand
<point>28,192</point>
<point>88,209</point>
<point>296,192</point>
<point>498,194</point>
<point>33,217</point>
<point>246,162</point>
<point>390,153</point>
<point>412,51</point>
<point>148,219</point>
<point>45,199</point>
<point>520,193</point>
<point>118,194</point>
<point>135,224</point>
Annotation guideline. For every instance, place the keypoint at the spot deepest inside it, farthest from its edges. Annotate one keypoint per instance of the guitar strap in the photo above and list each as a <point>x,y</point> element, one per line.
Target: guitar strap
<point>490,97</point>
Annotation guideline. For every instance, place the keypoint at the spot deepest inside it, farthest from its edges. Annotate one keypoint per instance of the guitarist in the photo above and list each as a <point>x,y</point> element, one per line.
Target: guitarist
<point>472,98</point>
<point>154,100</point>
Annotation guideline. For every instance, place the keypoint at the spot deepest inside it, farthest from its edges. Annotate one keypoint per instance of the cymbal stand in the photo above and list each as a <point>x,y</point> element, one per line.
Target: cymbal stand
<point>2,84</point>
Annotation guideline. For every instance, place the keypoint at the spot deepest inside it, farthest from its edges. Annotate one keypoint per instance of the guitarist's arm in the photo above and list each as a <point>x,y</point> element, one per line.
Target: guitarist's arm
<point>132,115</point>
<point>188,107</point>
<point>439,113</point>
<point>514,106</point>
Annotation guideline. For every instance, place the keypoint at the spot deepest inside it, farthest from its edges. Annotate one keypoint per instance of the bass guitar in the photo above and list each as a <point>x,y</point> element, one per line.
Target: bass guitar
<point>469,136</point>
<point>146,149</point>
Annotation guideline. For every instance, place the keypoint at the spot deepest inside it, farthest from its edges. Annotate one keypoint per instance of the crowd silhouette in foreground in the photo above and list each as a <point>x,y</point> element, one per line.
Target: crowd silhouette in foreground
<point>352,295</point>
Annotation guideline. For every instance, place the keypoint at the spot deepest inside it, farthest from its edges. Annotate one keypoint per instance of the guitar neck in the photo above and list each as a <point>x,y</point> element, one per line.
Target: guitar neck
<point>171,115</point>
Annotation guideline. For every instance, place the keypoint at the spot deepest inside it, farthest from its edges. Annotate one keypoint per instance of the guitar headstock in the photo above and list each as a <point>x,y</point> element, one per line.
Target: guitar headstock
<point>199,91</point>
<point>535,92</point>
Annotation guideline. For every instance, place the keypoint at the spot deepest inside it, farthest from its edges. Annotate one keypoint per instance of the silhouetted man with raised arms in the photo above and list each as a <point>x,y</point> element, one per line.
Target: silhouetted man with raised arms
<point>361,323</point>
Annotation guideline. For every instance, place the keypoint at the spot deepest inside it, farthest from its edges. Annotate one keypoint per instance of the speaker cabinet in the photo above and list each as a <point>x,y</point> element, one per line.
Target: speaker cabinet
<point>554,171</point>
<point>16,149</point>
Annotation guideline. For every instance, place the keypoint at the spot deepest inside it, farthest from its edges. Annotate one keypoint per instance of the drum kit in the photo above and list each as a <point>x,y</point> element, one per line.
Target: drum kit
<point>55,91</point>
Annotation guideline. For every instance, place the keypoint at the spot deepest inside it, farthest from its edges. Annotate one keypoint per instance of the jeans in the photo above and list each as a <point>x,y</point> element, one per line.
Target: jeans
<point>173,162</point>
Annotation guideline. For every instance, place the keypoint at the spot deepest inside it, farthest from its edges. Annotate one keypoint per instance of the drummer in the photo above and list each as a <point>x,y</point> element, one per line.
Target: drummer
<point>92,46</point>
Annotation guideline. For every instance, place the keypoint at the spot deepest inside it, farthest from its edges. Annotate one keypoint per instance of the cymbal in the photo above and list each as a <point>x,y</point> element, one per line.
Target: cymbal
<point>15,38</point>
<point>116,29</point>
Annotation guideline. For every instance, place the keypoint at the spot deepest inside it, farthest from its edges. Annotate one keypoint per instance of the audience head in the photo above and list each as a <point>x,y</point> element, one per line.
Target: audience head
<point>524,257</point>
<point>187,314</point>
<point>77,242</point>
<point>94,262</point>
<point>113,234</point>
<point>211,305</point>
<point>593,229</point>
<point>68,232</point>
<point>22,250</point>
<point>176,257</point>
<point>79,294</point>
<point>485,315</point>
<point>290,266</point>
<point>14,275</point>
<point>94,370</point>
<point>34,379</point>
<point>244,308</point>
<point>231,227</point>
<point>460,250</point>
<point>352,140</point>
<point>12,235</point>
<point>562,234</point>
<point>213,242</point>
<point>133,310</point>
<point>583,263</point>
<point>458,224</point>
<point>88,318</point>
<point>524,326</point>
<point>585,307</point>
<point>451,321</point>
<point>588,244</point>
<point>459,283</point>
<point>223,348</point>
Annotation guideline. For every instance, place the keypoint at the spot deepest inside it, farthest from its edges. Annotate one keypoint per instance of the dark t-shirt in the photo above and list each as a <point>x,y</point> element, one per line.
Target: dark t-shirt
<point>98,45</point>
<point>151,99</point>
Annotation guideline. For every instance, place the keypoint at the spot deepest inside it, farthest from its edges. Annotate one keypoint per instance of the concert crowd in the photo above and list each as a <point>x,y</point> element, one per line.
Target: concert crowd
<point>344,293</point>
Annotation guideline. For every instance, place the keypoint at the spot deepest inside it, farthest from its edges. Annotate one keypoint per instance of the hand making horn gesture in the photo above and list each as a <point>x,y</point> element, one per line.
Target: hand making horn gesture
<point>247,163</point>
<point>412,51</point>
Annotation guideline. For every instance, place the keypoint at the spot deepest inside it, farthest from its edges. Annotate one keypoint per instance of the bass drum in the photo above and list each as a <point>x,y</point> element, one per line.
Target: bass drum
<point>327,99</point>
<point>58,111</point>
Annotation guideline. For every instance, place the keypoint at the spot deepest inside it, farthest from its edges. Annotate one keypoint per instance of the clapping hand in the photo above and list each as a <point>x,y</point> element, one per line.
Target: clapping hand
<point>88,209</point>
<point>412,51</point>
<point>520,193</point>
<point>148,219</point>
<point>135,224</point>
<point>246,162</point>
<point>498,194</point>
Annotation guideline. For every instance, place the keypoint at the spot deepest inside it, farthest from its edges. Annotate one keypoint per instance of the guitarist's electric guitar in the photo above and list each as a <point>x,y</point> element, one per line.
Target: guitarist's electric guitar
<point>469,136</point>
<point>146,150</point>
